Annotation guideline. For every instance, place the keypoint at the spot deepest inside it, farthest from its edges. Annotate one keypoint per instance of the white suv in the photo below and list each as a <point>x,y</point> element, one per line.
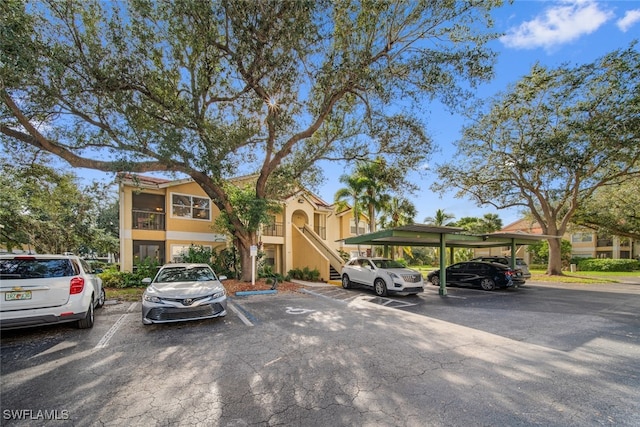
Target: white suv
<point>383,275</point>
<point>44,289</point>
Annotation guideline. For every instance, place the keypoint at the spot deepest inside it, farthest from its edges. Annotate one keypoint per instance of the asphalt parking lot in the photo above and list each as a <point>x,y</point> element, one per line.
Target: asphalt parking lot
<point>543,354</point>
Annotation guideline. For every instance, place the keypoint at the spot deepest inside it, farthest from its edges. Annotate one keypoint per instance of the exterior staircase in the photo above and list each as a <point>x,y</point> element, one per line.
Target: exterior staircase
<point>335,261</point>
<point>334,274</point>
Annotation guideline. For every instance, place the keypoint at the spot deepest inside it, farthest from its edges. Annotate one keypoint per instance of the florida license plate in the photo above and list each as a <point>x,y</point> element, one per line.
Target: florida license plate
<point>17,295</point>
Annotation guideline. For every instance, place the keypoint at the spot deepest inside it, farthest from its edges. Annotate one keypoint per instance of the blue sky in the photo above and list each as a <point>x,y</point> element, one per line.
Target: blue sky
<point>548,32</point>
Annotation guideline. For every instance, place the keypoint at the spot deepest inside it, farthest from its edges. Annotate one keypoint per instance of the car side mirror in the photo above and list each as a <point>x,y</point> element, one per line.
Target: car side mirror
<point>146,281</point>
<point>221,278</point>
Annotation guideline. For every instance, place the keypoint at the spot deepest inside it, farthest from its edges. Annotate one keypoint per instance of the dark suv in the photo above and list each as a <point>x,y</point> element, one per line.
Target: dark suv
<point>506,260</point>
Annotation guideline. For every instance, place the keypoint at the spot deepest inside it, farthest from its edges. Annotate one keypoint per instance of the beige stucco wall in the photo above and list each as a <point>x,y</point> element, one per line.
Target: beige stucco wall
<point>178,231</point>
<point>293,250</point>
<point>305,255</point>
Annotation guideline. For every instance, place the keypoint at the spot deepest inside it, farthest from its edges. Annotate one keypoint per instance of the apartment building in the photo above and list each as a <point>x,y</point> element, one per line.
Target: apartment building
<point>160,219</point>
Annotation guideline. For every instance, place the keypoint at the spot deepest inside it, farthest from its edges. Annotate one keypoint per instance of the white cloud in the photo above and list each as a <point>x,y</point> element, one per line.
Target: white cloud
<point>629,20</point>
<point>561,23</point>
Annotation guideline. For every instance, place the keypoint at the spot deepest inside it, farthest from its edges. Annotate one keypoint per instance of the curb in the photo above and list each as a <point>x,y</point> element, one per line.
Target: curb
<point>247,293</point>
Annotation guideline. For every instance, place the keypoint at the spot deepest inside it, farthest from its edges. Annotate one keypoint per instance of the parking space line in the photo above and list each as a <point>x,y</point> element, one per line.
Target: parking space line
<point>238,313</point>
<point>104,342</point>
<point>321,295</point>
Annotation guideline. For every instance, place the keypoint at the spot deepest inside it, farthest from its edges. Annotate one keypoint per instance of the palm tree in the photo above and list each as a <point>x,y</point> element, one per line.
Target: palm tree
<point>397,212</point>
<point>440,219</point>
<point>373,176</point>
<point>350,196</point>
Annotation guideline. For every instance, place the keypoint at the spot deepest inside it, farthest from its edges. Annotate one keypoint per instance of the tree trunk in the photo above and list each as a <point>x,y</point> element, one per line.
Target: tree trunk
<point>554,267</point>
<point>244,249</point>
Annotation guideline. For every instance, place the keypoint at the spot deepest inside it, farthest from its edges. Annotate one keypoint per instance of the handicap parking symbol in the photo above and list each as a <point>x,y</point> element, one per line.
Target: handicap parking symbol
<point>291,310</point>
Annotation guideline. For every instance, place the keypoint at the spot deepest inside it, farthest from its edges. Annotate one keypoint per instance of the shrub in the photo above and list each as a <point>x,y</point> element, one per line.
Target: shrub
<point>538,267</point>
<point>227,263</point>
<point>402,261</point>
<point>267,272</point>
<point>112,278</point>
<point>198,254</point>
<point>605,264</point>
<point>304,274</point>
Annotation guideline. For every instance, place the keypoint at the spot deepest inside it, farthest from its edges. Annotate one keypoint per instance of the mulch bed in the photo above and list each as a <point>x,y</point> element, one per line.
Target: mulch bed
<point>232,286</point>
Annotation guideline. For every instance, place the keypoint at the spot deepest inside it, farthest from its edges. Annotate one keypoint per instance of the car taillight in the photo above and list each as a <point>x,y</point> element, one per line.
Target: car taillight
<point>509,273</point>
<point>77,285</point>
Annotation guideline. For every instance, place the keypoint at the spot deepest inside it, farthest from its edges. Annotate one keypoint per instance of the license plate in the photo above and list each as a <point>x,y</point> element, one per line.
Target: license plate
<point>17,295</point>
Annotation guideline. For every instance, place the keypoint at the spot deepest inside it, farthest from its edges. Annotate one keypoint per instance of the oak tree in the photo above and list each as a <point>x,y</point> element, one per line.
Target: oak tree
<point>213,89</point>
<point>552,140</point>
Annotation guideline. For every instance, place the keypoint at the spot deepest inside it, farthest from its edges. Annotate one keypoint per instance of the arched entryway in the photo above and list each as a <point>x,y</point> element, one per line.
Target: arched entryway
<point>299,218</point>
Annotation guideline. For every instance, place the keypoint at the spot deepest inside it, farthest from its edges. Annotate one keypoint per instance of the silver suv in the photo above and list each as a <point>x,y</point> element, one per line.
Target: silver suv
<point>44,289</point>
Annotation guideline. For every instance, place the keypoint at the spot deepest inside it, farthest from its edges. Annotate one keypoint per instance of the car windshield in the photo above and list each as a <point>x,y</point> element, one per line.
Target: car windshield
<point>387,263</point>
<point>185,274</point>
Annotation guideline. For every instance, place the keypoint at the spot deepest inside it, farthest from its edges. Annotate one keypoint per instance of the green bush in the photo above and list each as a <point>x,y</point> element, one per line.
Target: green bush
<point>304,274</point>
<point>198,254</point>
<point>267,272</point>
<point>112,278</point>
<point>402,261</point>
<point>605,264</point>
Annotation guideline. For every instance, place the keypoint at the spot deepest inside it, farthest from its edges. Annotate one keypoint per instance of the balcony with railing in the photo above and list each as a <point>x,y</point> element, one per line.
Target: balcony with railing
<point>275,229</point>
<point>145,220</point>
<point>605,242</point>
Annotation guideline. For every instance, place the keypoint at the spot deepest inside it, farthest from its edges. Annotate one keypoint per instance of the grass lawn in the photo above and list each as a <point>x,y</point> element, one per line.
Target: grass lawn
<point>583,276</point>
<point>125,294</point>
<point>577,277</point>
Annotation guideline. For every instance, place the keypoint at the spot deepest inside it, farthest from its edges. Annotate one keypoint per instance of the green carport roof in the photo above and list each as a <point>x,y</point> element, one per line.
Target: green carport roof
<point>427,235</point>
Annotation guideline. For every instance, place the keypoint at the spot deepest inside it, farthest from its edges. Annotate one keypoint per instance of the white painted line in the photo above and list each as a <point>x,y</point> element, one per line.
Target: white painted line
<point>239,314</point>
<point>111,332</point>
<point>132,307</point>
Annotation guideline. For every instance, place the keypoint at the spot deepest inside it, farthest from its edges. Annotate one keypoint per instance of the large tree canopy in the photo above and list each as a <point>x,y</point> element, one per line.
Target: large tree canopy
<point>613,209</point>
<point>211,89</point>
<point>552,140</point>
<point>45,210</point>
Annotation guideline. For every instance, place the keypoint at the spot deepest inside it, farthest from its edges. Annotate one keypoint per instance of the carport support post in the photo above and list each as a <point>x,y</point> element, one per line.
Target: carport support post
<point>443,265</point>
<point>513,254</point>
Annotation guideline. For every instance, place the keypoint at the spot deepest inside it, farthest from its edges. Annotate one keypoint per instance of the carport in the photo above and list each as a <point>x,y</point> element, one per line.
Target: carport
<point>443,237</point>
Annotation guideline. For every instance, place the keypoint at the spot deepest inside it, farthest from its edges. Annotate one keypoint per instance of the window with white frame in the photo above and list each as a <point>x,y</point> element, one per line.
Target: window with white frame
<point>186,206</point>
<point>362,227</point>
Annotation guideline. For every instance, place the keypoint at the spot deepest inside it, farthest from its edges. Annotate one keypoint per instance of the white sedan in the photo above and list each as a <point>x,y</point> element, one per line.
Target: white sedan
<point>183,292</point>
<point>383,275</point>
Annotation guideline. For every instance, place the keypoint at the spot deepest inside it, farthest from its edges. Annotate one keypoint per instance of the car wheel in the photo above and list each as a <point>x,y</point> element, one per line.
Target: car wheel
<point>487,284</point>
<point>101,298</point>
<point>435,280</point>
<point>87,322</point>
<point>346,283</point>
<point>380,287</point>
